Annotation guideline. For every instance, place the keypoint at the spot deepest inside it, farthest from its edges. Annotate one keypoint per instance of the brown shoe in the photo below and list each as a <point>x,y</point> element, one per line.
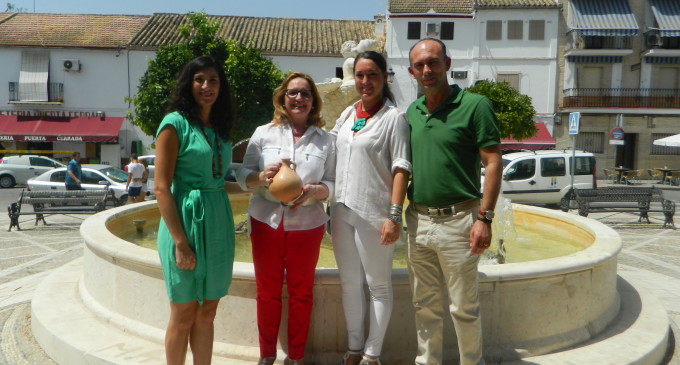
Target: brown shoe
<point>266,360</point>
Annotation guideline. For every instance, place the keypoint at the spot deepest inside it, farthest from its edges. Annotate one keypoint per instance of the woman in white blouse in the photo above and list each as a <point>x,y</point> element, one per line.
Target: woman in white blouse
<point>286,239</point>
<point>373,166</point>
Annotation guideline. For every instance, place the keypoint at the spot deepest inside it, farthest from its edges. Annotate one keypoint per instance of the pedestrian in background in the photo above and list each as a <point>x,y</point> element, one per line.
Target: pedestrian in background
<point>135,180</point>
<point>74,173</point>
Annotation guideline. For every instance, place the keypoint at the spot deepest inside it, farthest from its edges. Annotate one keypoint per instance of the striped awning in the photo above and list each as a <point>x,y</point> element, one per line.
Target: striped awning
<point>667,15</point>
<point>666,60</point>
<point>595,59</point>
<point>602,18</point>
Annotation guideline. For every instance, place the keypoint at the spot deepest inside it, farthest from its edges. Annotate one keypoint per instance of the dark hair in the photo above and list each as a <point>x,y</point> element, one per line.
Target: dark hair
<point>379,60</point>
<point>133,156</point>
<point>441,44</point>
<point>280,113</point>
<point>222,113</point>
<point>74,154</point>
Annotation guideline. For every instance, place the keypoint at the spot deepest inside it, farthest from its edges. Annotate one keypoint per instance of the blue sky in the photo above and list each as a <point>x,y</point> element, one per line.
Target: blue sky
<point>315,9</point>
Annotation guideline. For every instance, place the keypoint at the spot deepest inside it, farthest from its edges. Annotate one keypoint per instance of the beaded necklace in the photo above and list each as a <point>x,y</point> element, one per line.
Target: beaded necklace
<point>362,115</point>
<point>216,165</point>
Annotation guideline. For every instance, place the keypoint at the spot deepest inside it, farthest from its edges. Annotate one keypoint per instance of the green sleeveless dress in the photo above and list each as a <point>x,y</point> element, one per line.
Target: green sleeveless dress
<point>204,210</point>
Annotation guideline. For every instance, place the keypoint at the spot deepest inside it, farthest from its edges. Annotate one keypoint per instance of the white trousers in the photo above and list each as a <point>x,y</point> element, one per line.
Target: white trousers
<point>361,257</point>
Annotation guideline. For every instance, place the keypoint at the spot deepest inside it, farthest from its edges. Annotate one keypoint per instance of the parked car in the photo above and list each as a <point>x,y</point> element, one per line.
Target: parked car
<point>151,159</point>
<point>18,169</point>
<point>544,177</point>
<point>94,177</point>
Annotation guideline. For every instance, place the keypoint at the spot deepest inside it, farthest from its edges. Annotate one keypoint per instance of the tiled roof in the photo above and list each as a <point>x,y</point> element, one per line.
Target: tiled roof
<point>273,36</point>
<point>486,4</point>
<point>69,30</point>
<point>423,6</point>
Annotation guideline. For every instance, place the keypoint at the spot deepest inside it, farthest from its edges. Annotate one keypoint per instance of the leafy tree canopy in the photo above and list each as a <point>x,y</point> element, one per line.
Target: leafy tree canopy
<point>514,110</point>
<point>11,8</point>
<point>251,76</point>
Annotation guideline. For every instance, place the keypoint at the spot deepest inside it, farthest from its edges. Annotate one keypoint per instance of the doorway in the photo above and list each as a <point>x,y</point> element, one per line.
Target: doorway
<point>625,155</point>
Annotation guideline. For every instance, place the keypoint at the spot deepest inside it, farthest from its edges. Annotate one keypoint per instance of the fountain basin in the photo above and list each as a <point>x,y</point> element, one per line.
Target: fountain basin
<point>528,308</point>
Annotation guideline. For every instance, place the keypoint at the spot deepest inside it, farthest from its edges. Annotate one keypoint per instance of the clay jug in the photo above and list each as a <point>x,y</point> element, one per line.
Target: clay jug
<point>286,185</point>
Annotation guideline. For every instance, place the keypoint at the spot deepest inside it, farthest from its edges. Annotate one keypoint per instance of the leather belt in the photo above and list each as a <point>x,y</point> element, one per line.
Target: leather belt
<point>446,210</point>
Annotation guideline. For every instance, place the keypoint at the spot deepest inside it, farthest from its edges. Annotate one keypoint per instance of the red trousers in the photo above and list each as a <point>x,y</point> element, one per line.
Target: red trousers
<point>294,254</point>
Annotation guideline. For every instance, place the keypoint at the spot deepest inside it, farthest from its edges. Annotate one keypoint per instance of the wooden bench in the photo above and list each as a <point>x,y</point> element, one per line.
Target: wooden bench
<point>625,199</point>
<point>58,202</point>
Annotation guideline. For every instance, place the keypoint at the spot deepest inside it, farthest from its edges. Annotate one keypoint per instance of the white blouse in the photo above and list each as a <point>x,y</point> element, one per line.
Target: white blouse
<point>314,155</point>
<point>367,161</point>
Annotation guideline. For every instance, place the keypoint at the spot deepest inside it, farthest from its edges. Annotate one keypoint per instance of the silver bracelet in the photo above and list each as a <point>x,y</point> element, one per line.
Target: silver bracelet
<point>395,209</point>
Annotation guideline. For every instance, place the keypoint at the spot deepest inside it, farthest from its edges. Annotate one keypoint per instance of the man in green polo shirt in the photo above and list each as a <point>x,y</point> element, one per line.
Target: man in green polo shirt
<point>453,133</point>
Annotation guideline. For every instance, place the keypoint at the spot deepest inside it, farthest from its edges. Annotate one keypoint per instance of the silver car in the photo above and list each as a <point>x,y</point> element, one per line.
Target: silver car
<point>16,170</point>
<point>94,177</point>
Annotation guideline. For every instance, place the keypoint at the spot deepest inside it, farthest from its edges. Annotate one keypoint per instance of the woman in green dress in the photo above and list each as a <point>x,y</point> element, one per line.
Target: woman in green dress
<point>196,233</point>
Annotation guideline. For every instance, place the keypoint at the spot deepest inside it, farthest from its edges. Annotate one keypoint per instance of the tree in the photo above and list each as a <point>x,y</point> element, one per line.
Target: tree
<point>251,76</point>
<point>11,8</point>
<point>514,110</point>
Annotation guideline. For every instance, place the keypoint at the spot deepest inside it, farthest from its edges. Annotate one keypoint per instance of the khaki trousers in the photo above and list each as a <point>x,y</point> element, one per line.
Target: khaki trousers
<point>443,273</point>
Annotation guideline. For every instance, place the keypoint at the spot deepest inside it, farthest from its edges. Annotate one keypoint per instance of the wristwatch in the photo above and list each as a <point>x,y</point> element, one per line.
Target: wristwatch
<point>486,216</point>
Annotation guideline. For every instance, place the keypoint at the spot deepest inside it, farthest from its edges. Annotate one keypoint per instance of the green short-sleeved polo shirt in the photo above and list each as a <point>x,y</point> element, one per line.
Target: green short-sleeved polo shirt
<point>445,147</point>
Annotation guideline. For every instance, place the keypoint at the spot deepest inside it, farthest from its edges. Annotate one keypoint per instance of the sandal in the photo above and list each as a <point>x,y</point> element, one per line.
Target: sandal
<point>349,354</point>
<point>370,361</point>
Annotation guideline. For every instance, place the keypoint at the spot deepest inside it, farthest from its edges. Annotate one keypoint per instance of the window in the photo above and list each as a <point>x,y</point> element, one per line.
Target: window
<point>90,177</point>
<point>525,169</point>
<point>515,29</point>
<point>34,76</point>
<point>39,161</point>
<point>494,30</point>
<point>413,30</point>
<point>59,176</point>
<point>590,141</point>
<point>553,166</point>
<point>447,31</point>
<point>536,30</point>
<point>511,78</point>
<point>584,165</point>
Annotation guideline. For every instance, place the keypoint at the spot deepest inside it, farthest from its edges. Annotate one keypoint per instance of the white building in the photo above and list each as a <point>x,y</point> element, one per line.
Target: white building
<point>68,75</point>
<point>514,41</point>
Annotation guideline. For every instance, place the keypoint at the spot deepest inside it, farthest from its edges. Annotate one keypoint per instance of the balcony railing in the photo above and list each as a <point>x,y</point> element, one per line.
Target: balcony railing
<point>622,98</point>
<point>55,93</point>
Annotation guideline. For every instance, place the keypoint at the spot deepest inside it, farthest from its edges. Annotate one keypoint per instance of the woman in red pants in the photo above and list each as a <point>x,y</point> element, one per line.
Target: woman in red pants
<point>286,238</point>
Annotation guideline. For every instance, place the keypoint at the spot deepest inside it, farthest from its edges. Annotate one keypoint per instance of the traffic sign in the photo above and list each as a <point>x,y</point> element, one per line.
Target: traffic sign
<point>616,136</point>
<point>574,122</point>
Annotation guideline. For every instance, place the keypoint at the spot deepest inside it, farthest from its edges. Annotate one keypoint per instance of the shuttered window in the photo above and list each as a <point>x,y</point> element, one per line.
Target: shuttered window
<point>447,30</point>
<point>33,76</point>
<point>511,78</point>
<point>413,30</point>
<point>494,30</point>
<point>536,30</point>
<point>590,142</point>
<point>515,29</point>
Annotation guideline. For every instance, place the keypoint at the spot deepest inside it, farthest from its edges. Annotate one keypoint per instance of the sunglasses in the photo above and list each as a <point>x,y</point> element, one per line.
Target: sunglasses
<point>292,93</point>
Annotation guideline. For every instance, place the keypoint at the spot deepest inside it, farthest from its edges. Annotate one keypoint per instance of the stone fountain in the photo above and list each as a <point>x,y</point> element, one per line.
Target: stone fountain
<point>110,307</point>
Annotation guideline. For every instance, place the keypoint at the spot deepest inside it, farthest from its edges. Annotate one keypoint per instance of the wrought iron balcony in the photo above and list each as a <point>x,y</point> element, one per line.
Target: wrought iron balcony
<point>55,93</point>
<point>622,98</point>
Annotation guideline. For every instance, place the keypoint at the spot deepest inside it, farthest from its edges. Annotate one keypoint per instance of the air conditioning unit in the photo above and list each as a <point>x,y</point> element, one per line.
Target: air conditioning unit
<point>432,29</point>
<point>653,40</point>
<point>459,74</point>
<point>72,65</point>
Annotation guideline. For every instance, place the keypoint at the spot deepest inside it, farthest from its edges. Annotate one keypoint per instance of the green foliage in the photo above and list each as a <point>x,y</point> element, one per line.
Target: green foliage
<point>11,8</point>
<point>252,77</point>
<point>514,110</point>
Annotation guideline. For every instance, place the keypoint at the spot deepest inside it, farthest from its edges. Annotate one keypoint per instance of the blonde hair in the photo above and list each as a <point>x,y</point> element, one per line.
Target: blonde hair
<point>280,113</point>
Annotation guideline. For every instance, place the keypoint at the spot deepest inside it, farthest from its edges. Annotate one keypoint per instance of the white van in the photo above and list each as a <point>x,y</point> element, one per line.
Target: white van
<point>544,177</point>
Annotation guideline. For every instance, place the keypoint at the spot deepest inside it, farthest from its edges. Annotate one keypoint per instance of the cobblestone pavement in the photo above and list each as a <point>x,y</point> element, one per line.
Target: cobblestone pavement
<point>651,255</point>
